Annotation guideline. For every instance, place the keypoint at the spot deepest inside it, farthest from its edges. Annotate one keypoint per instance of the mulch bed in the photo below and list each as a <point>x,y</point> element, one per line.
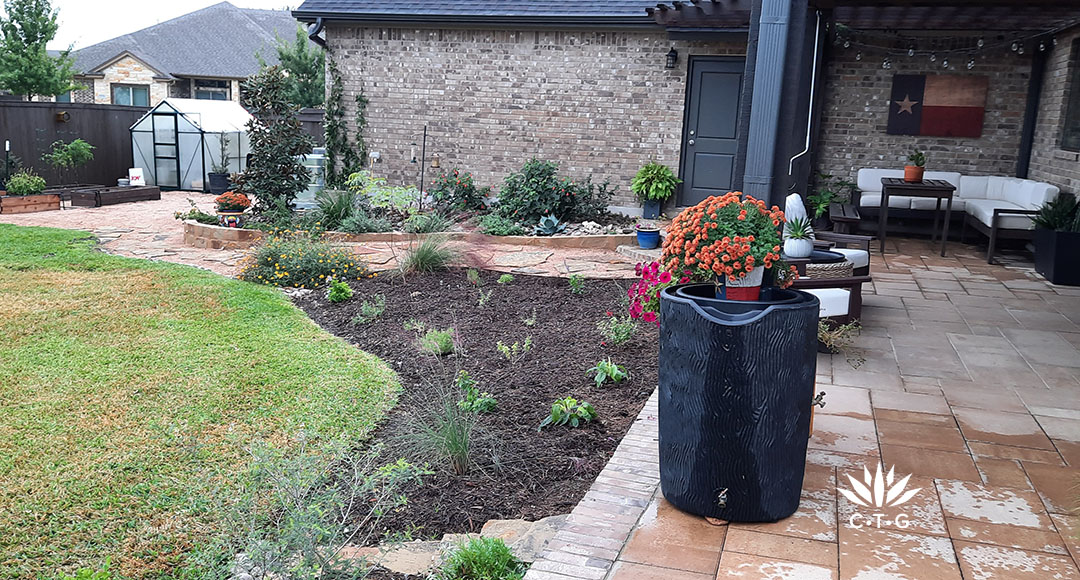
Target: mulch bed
<point>518,472</point>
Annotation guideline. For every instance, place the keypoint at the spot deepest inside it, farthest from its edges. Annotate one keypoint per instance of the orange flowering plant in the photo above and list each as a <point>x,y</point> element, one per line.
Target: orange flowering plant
<point>725,238</point>
<point>232,201</point>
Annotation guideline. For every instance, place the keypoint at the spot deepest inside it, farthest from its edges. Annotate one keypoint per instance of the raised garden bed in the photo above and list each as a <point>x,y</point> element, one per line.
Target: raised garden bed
<point>65,190</point>
<point>10,204</point>
<point>99,196</point>
<point>518,471</point>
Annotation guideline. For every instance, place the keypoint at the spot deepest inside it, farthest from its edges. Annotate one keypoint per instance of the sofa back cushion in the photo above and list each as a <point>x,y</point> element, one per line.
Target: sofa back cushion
<point>1032,194</point>
<point>1000,188</point>
<point>869,179</point>
<point>972,186</point>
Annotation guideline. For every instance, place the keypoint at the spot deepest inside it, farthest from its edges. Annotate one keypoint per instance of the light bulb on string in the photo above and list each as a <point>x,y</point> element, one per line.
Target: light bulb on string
<point>1042,47</point>
<point>847,44</point>
<point>933,57</point>
<point>1053,41</point>
<point>886,64</point>
<point>1015,46</point>
<point>858,55</point>
<point>1020,50</point>
<point>945,63</point>
<point>971,64</point>
<point>911,52</point>
<point>980,43</point>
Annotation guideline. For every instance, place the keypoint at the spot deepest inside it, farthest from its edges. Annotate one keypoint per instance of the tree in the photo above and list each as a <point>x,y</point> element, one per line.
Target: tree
<point>25,66</point>
<point>275,173</point>
<point>305,68</point>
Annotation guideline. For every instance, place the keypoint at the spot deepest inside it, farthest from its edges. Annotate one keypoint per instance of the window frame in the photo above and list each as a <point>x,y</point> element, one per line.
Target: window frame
<point>216,87</point>
<point>1070,140</point>
<point>131,91</point>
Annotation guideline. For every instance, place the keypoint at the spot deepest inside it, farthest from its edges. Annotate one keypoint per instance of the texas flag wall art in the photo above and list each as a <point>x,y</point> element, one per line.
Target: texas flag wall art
<point>937,105</point>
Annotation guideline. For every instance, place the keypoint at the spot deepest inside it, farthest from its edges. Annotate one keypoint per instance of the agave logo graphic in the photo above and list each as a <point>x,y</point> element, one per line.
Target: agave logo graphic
<point>878,491</point>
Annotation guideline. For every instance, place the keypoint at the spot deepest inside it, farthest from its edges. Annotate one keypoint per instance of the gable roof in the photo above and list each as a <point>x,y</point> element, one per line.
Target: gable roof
<point>594,13</point>
<point>217,41</point>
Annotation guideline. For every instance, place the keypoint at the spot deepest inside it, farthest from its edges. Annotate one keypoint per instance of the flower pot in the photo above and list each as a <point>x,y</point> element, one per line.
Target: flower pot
<point>736,384</point>
<point>648,239</point>
<point>1057,256</point>
<point>745,288</point>
<point>913,173</point>
<point>219,183</point>
<point>798,248</point>
<point>650,209</point>
<point>230,219</point>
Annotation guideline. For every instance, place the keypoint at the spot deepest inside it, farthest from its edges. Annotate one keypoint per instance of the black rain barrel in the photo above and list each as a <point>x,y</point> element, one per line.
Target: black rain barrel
<point>736,388</point>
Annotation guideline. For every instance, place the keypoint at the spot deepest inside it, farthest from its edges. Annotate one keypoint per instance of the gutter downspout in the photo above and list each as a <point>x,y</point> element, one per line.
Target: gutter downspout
<point>765,110</point>
<point>1031,112</point>
<point>313,32</point>
<point>810,112</point>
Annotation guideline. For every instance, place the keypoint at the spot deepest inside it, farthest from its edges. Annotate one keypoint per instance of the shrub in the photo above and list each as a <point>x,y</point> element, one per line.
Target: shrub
<point>577,283</point>
<point>439,342</point>
<point>339,291</point>
<point>617,331</point>
<point>536,191</point>
<point>607,371</point>
<point>300,260</point>
<point>515,352</point>
<point>232,201</point>
<point>505,279</point>
<point>455,189</point>
<point>375,192</point>
<point>371,310</point>
<point>473,400</point>
<point>430,256</point>
<point>654,182</point>
<point>427,223</point>
<point>25,182</point>
<point>68,156</point>
<point>483,559</point>
<point>361,222</point>
<point>443,433</point>
<point>497,225</point>
<point>335,206</point>
<point>591,200</point>
<point>569,411</point>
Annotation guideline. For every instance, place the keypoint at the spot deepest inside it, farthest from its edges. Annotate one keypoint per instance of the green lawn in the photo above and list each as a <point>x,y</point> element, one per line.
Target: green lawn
<point>130,390</point>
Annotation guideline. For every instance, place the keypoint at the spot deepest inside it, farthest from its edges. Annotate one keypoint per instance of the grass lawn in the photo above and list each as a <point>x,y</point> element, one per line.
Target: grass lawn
<point>131,390</point>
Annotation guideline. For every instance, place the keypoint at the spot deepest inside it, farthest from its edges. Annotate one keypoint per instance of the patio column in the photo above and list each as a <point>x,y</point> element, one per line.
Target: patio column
<point>773,22</point>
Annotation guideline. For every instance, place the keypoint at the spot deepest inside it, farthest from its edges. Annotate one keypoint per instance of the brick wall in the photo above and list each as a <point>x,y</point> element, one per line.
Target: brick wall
<point>856,112</point>
<point>129,71</point>
<point>1049,162</point>
<point>599,103</point>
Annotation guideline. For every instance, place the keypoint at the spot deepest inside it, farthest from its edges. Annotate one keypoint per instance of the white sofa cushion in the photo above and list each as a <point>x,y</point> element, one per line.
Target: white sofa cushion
<point>873,199</point>
<point>869,179</point>
<point>930,203</point>
<point>983,210</point>
<point>858,258</point>
<point>834,301</point>
<point>972,186</point>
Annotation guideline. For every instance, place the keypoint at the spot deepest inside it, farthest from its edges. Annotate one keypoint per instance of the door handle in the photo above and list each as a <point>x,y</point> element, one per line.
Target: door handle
<point>691,142</point>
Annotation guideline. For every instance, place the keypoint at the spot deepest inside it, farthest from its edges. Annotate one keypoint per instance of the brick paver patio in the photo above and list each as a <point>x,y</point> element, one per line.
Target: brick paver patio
<point>971,383</point>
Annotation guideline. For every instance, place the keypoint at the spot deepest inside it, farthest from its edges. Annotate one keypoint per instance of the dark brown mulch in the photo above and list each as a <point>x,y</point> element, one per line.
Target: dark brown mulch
<point>518,472</point>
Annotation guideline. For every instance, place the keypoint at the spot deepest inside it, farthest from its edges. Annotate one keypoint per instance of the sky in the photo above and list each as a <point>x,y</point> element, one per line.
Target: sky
<point>87,22</point>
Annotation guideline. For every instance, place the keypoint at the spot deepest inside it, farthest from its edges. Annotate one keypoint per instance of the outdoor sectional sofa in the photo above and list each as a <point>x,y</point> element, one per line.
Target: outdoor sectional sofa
<point>998,207</point>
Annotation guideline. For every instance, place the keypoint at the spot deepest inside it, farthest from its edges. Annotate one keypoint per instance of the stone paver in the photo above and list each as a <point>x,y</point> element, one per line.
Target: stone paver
<point>971,384</point>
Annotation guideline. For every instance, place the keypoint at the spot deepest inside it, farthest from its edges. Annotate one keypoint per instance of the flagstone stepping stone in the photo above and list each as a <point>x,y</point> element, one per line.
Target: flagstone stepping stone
<point>522,259</point>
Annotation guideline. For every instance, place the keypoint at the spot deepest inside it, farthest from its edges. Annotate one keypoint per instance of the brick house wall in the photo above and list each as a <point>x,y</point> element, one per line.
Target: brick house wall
<point>600,103</point>
<point>1049,162</point>
<point>856,112</point>
<point>128,71</point>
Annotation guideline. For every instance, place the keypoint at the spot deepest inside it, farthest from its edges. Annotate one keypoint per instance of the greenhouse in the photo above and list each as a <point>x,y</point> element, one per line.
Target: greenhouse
<point>179,142</point>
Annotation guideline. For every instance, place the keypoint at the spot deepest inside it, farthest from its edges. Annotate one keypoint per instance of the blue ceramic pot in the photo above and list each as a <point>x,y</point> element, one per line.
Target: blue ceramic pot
<point>648,239</point>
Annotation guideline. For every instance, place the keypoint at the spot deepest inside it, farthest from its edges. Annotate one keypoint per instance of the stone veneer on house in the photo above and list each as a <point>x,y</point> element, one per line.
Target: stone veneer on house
<point>856,112</point>
<point>600,103</point>
<point>126,71</point>
<point>1049,162</point>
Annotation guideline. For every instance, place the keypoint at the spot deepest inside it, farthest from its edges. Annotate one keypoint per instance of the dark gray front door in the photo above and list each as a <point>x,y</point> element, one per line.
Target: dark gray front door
<point>710,137</point>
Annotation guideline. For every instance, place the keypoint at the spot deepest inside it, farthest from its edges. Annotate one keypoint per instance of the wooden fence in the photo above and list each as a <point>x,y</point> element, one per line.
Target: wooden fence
<point>33,127</point>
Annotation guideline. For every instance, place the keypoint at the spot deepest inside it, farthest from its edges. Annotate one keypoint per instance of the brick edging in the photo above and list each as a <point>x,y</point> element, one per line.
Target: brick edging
<point>587,544</point>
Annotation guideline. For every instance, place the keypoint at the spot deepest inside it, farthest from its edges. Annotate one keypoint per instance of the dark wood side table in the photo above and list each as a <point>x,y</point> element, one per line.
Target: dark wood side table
<point>932,188</point>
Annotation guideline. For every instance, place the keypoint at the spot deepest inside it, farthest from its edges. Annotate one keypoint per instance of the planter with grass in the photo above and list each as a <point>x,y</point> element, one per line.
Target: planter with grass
<point>25,194</point>
<point>654,184</point>
<point>1057,241</point>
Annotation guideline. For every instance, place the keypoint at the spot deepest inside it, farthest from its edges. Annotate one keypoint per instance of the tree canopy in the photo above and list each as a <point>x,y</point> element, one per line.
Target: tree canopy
<point>26,68</point>
<point>304,66</point>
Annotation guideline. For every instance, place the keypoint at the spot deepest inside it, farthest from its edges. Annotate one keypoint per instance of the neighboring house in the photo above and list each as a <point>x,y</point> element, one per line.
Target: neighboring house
<point>752,95</point>
<point>201,55</point>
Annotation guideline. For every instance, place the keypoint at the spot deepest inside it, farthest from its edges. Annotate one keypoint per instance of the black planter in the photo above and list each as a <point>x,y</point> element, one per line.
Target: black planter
<point>1057,256</point>
<point>821,223</point>
<point>219,183</point>
<point>736,385</point>
<point>650,209</point>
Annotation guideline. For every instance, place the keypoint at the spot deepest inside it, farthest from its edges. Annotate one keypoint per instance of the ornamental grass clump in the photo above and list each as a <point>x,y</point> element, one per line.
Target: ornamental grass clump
<point>724,238</point>
<point>299,259</point>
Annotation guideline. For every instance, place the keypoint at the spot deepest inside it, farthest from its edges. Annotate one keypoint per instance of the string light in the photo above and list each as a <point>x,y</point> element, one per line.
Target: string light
<point>980,43</point>
<point>858,55</point>
<point>1020,50</point>
<point>1015,46</point>
<point>933,57</point>
<point>1042,47</point>
<point>886,64</point>
<point>971,64</point>
<point>911,52</point>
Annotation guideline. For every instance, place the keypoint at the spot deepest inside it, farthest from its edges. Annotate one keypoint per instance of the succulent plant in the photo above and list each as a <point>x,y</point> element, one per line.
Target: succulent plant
<point>549,225</point>
<point>798,229</point>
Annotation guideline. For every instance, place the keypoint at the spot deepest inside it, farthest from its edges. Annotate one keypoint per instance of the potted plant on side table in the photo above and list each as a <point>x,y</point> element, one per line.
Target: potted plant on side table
<point>230,209</point>
<point>913,172</point>
<point>654,184</point>
<point>1057,241</point>
<point>219,171</point>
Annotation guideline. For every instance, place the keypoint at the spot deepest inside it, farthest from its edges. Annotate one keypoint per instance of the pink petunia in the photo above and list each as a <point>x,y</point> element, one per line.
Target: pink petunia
<point>649,317</point>
<point>665,277</point>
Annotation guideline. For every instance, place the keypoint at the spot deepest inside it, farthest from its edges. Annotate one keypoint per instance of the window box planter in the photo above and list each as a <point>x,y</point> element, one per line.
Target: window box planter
<point>736,390</point>
<point>1057,256</point>
<point>29,203</point>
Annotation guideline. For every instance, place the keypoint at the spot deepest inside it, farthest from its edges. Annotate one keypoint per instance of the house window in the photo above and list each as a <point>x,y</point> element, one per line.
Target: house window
<point>64,97</point>
<point>135,95</point>
<point>1070,134</point>
<point>212,90</point>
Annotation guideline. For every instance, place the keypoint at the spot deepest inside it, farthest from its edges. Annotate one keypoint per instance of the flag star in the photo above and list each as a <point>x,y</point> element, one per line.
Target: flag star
<point>906,105</point>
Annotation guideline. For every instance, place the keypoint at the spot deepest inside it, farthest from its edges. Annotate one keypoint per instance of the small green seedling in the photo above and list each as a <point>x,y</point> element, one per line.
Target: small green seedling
<point>577,283</point>
<point>505,279</point>
<point>515,352</point>
<point>473,276</point>
<point>438,342</point>
<point>473,399</point>
<point>607,371</point>
<point>569,411</point>
<point>339,291</point>
<point>370,310</point>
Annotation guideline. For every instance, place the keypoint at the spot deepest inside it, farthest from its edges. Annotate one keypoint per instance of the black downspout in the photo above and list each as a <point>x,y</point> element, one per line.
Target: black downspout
<point>746,97</point>
<point>1031,113</point>
<point>313,32</point>
<point>768,88</point>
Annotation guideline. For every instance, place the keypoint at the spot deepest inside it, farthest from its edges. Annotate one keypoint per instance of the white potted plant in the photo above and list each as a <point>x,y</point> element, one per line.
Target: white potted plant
<point>798,238</point>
